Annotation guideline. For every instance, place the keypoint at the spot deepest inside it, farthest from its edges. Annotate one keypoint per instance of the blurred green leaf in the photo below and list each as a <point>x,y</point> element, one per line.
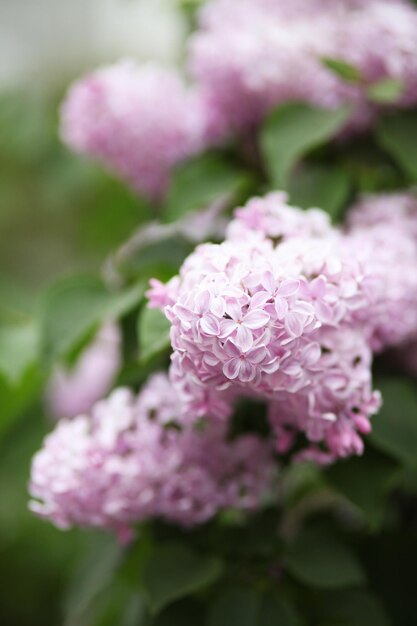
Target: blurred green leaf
<point>94,576</point>
<point>234,607</point>
<point>16,304</point>
<point>255,535</point>
<point>15,398</point>
<point>241,606</point>
<point>184,613</point>
<point>175,571</point>
<point>153,332</point>
<point>397,134</point>
<point>157,259</point>
<point>199,182</point>
<point>385,91</point>
<point>320,186</point>
<point>18,349</point>
<point>395,427</point>
<point>353,608</point>
<point>117,605</point>
<point>293,130</point>
<point>73,307</point>
<point>343,69</point>
<point>319,559</point>
<point>369,494</point>
<point>114,212</point>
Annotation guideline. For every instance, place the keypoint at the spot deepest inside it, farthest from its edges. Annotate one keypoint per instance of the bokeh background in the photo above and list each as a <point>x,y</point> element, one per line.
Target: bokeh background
<point>58,214</point>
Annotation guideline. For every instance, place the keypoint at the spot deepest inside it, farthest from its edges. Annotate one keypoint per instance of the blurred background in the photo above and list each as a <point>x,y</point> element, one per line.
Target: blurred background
<point>58,214</point>
<point>44,45</point>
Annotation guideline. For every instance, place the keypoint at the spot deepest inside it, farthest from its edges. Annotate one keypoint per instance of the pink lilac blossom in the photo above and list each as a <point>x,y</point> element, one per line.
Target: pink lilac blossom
<point>251,55</point>
<point>74,391</point>
<point>383,230</point>
<point>249,315</point>
<point>139,121</point>
<point>335,409</point>
<point>133,459</point>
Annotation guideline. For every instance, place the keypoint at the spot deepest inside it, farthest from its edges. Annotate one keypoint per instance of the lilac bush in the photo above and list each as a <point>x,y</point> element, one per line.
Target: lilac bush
<point>249,428</point>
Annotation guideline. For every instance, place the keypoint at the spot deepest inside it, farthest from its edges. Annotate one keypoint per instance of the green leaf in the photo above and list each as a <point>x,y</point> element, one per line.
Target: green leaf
<point>318,186</point>
<point>159,259</point>
<point>385,91</point>
<point>234,607</point>
<point>93,577</point>
<point>116,604</point>
<point>184,613</point>
<point>175,571</point>
<point>354,608</point>
<point>73,307</point>
<point>344,70</point>
<point>395,427</point>
<point>370,495</point>
<point>16,398</point>
<point>201,181</point>
<point>319,559</point>
<point>275,611</point>
<point>293,130</point>
<point>18,349</point>
<point>241,606</point>
<point>153,331</point>
<point>397,135</point>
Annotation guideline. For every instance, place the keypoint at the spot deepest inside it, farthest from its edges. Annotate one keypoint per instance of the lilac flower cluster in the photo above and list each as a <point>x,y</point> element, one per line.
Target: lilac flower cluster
<point>384,232</point>
<point>138,120</point>
<point>277,311</point>
<point>251,55</point>
<point>133,458</point>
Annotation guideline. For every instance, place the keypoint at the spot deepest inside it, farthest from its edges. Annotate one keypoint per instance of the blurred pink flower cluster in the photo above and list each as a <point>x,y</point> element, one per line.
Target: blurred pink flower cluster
<point>132,458</point>
<point>74,391</point>
<point>246,57</point>
<point>251,55</point>
<point>384,231</point>
<point>139,121</point>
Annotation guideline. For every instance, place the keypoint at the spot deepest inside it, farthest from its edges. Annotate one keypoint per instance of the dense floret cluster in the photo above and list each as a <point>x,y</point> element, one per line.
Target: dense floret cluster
<point>277,312</point>
<point>133,459</point>
<point>383,229</point>
<point>139,121</point>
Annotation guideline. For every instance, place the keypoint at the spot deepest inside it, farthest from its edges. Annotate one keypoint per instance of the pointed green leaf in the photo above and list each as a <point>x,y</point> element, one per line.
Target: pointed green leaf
<point>175,571</point>
<point>397,135</point>
<point>153,331</point>
<point>318,559</point>
<point>395,427</point>
<point>73,307</point>
<point>293,130</point>
<point>201,181</point>
<point>243,606</point>
<point>385,91</point>
<point>18,349</point>
<point>325,187</point>
<point>370,495</point>
<point>343,69</point>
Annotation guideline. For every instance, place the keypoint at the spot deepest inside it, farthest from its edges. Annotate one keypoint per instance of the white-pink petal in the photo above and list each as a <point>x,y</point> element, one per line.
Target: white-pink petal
<point>209,325</point>
<point>256,319</point>
<point>288,288</point>
<point>231,369</point>
<point>244,338</point>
